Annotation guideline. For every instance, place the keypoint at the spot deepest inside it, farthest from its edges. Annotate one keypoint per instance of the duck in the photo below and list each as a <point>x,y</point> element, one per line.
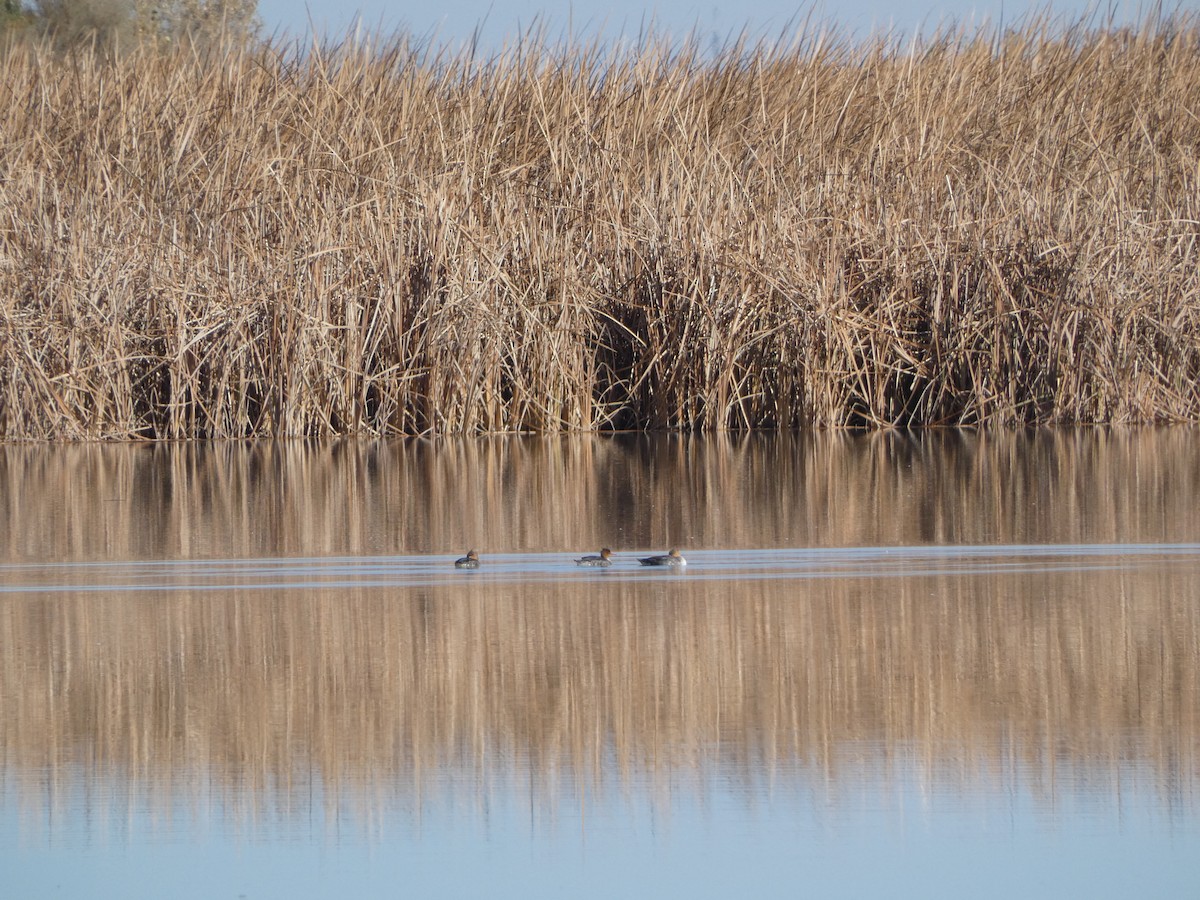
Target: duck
<point>470,561</point>
<point>674,558</point>
<point>601,560</point>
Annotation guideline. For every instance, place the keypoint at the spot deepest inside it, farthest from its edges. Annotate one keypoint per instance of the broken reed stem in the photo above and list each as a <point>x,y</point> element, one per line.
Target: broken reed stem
<point>978,229</point>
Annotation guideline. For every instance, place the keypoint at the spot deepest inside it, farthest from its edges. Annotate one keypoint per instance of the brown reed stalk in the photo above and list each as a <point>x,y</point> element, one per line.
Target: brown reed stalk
<point>265,240</point>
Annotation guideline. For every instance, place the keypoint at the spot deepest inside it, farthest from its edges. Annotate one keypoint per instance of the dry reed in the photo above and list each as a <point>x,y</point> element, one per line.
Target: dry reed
<point>978,229</point>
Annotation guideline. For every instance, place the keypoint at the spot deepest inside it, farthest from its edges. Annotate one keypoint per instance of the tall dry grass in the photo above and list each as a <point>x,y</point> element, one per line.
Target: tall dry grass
<point>979,229</point>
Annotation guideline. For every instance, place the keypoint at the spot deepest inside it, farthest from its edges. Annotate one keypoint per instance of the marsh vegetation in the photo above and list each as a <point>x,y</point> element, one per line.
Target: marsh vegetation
<point>261,240</point>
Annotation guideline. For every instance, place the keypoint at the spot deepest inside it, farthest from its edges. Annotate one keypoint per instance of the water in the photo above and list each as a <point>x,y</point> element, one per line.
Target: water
<point>936,666</point>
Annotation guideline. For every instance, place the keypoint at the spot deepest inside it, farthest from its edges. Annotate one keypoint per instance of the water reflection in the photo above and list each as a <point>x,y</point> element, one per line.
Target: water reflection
<point>573,494</point>
<point>602,680</point>
<point>275,632</point>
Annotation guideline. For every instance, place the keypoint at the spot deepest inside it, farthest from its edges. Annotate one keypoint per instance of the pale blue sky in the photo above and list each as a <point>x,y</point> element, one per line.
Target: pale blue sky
<point>451,22</point>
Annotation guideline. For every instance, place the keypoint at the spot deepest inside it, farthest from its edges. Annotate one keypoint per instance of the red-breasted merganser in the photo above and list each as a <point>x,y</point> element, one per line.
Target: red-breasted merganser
<point>674,558</point>
<point>470,561</point>
<point>602,560</point>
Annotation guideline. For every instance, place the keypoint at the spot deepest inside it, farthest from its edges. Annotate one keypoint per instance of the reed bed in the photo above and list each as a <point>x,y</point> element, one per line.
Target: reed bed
<point>979,229</point>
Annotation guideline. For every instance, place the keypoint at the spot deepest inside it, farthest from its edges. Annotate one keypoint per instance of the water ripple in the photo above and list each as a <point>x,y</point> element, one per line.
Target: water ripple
<point>740,565</point>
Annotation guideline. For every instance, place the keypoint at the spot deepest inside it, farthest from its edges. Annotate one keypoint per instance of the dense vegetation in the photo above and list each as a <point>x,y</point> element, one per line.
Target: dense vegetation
<point>251,239</point>
<point>109,24</point>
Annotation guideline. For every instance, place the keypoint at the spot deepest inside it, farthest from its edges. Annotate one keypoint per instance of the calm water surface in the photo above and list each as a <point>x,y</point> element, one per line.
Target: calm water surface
<point>946,665</point>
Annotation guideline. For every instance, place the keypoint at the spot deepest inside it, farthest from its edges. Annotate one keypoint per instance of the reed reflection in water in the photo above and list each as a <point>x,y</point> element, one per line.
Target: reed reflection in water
<point>1066,681</point>
<point>575,494</point>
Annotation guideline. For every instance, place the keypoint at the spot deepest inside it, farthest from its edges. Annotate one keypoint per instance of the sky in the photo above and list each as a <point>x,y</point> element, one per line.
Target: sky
<point>452,23</point>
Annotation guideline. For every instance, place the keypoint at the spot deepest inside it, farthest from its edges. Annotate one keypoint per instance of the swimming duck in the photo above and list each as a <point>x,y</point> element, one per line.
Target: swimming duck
<point>602,560</point>
<point>470,561</point>
<point>674,558</point>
